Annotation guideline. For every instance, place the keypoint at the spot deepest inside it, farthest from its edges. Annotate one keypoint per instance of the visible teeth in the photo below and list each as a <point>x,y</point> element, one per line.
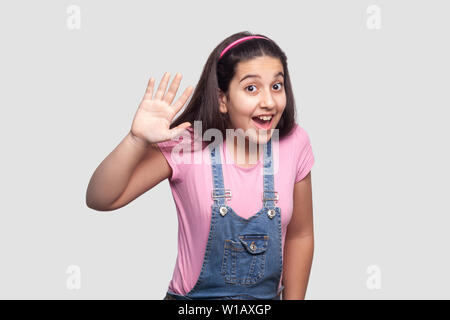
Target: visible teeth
<point>265,118</point>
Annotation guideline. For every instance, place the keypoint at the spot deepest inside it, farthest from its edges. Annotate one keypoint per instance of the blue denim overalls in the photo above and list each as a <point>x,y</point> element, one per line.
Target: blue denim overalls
<point>243,257</point>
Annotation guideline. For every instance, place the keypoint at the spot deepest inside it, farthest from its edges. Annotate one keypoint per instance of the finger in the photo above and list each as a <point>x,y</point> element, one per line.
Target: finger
<point>183,98</point>
<point>149,91</point>
<point>162,86</point>
<point>173,88</point>
<point>178,130</point>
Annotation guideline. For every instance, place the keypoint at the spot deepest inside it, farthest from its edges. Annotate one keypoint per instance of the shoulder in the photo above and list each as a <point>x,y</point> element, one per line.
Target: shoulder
<point>303,153</point>
<point>297,137</point>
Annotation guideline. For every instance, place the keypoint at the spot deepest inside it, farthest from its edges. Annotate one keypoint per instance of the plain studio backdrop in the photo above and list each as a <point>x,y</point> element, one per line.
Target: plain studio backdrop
<point>371,82</point>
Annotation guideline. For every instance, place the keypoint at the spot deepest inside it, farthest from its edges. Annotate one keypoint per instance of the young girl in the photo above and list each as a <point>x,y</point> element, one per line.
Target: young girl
<point>245,229</point>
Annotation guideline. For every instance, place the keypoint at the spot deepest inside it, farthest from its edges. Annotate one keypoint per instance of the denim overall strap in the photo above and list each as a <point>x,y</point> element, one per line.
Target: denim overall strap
<point>219,193</point>
<point>243,257</point>
<point>270,196</point>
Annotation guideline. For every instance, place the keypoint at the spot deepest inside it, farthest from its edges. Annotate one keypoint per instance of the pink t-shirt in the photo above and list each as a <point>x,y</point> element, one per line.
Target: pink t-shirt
<point>191,185</point>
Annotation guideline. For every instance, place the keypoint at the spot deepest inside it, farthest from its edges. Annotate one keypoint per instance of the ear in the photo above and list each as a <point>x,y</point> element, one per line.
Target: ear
<point>222,102</point>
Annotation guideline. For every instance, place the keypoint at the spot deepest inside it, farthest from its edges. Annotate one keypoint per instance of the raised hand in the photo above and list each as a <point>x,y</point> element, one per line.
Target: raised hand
<point>155,114</point>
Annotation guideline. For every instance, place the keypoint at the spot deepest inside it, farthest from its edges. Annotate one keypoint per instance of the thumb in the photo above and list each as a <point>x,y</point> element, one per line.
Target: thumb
<point>178,130</point>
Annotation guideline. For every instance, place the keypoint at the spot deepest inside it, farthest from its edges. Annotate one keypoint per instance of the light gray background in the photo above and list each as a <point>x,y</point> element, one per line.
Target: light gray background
<point>374,102</point>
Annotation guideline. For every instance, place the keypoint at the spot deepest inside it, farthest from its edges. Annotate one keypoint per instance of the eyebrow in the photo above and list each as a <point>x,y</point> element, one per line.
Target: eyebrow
<point>257,76</point>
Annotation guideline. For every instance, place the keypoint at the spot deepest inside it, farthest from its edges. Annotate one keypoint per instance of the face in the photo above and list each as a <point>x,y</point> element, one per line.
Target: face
<point>257,89</point>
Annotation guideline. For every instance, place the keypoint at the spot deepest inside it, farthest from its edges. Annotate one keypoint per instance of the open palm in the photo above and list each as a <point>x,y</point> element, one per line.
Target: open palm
<point>152,120</point>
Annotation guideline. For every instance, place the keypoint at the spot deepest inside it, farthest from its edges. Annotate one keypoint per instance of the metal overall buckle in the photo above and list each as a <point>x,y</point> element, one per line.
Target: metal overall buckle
<point>227,195</point>
<point>271,212</point>
<point>277,197</point>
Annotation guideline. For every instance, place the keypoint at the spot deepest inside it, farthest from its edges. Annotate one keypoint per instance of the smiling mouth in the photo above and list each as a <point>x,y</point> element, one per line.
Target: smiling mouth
<point>263,124</point>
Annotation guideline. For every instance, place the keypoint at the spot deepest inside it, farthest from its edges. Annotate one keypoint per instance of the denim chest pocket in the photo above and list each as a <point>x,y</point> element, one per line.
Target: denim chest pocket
<point>244,260</point>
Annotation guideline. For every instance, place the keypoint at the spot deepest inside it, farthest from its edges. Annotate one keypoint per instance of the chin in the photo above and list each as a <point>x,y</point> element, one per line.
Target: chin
<point>261,137</point>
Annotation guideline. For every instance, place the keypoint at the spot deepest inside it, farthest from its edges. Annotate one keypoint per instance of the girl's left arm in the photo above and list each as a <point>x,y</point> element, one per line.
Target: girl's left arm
<point>299,243</point>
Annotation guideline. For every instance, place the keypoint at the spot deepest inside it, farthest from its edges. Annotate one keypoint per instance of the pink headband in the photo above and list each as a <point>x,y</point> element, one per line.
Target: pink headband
<point>231,45</point>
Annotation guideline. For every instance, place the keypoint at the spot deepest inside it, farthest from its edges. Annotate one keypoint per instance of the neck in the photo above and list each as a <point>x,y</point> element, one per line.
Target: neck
<point>244,154</point>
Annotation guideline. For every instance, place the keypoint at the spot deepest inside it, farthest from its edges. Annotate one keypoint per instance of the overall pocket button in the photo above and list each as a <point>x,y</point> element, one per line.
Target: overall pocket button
<point>223,211</point>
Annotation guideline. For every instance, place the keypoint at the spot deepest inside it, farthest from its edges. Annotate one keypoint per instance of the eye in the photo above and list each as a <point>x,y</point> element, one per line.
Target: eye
<point>280,84</point>
<point>250,87</point>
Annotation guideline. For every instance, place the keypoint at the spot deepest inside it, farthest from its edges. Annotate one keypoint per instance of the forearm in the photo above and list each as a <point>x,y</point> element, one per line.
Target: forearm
<point>112,175</point>
<point>298,255</point>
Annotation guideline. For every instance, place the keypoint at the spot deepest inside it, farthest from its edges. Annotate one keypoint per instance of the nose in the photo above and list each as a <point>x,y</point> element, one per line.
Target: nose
<point>267,100</point>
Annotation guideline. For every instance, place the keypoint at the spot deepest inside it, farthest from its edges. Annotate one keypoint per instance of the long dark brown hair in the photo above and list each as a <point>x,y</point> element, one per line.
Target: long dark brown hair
<point>217,74</point>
